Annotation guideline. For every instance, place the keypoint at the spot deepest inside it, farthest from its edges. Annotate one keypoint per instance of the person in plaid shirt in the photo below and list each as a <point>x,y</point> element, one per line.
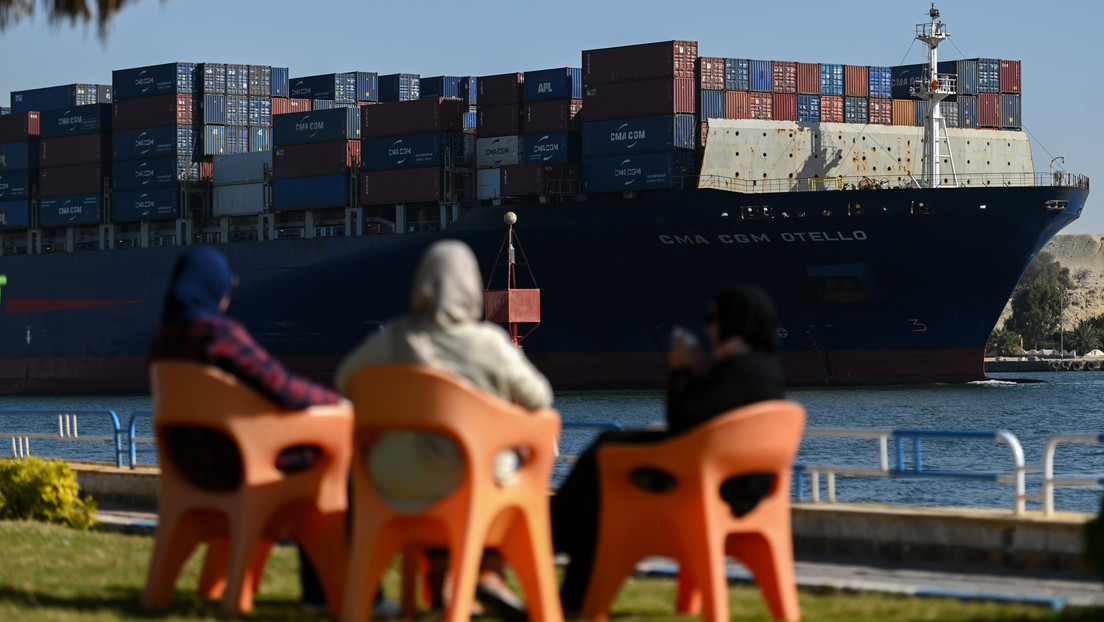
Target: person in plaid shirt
<point>195,327</point>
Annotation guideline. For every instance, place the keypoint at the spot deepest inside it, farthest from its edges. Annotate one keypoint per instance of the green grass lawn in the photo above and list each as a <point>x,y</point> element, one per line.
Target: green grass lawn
<point>53,573</point>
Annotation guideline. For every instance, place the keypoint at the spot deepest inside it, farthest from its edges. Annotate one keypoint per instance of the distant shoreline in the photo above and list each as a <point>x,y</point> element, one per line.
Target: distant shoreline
<point>1022,364</point>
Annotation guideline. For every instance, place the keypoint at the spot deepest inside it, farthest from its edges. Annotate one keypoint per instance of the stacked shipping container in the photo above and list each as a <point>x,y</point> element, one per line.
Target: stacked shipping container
<point>19,150</point>
<point>550,143</point>
<point>75,160</point>
<point>312,155</point>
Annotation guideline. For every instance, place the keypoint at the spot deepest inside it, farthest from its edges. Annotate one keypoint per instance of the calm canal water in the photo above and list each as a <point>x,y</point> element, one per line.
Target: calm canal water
<point>1067,402</point>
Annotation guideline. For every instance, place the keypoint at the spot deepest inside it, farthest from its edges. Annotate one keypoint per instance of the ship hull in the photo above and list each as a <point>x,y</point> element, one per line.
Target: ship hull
<point>885,294</point>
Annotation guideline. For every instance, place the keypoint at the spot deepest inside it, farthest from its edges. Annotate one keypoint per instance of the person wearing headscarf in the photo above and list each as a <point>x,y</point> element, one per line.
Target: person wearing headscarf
<point>194,327</point>
<point>445,330</point>
<point>741,324</point>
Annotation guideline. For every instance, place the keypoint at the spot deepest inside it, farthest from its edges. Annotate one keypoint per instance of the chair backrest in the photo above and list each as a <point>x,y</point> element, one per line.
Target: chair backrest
<point>422,398</point>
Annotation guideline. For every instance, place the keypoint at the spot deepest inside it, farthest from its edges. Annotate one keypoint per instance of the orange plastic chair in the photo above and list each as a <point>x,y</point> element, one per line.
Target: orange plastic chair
<point>692,523</point>
<point>513,518</point>
<point>240,525</point>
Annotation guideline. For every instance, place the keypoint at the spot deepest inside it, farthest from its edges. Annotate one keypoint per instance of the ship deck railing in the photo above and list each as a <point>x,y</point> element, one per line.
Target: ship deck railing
<point>123,443</point>
<point>882,182</point>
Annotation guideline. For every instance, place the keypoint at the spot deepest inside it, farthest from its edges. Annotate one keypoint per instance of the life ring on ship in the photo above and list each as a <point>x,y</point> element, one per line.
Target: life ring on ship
<point>866,183</point>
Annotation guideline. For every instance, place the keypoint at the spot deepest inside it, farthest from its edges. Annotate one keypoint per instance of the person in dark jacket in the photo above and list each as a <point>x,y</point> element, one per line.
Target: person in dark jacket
<point>742,326</point>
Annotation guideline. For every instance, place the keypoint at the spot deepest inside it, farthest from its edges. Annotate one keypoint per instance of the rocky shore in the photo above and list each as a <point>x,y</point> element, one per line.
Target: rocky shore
<point>1083,254</point>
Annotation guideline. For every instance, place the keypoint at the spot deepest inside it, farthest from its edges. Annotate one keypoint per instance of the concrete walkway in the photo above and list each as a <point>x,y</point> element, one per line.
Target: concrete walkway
<point>1055,593</point>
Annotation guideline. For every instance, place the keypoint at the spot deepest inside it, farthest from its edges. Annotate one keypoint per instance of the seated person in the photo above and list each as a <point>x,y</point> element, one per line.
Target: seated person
<point>742,328</point>
<point>444,329</point>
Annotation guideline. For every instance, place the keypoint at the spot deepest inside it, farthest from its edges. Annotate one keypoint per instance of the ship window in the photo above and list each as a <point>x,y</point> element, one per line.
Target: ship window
<point>1056,206</point>
<point>856,209</point>
<point>921,208</point>
<point>756,212</point>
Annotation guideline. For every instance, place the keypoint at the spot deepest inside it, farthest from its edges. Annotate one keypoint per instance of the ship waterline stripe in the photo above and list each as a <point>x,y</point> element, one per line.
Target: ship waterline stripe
<point>16,306</point>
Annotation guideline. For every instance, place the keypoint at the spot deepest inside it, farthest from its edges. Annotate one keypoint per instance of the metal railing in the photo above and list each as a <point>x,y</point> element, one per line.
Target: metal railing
<point>67,431</point>
<point>1050,481</point>
<point>1016,477</point>
<point>980,180</point>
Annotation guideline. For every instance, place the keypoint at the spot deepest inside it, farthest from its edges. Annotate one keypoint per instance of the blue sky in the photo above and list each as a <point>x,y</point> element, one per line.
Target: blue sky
<point>1058,43</point>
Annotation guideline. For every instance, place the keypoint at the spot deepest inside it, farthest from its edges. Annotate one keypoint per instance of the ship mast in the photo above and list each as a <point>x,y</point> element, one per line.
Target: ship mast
<point>933,90</point>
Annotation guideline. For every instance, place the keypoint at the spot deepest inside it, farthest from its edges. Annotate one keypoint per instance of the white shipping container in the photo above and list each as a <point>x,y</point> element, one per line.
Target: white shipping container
<point>489,182</point>
<point>240,168</point>
<point>497,151</point>
<point>238,199</point>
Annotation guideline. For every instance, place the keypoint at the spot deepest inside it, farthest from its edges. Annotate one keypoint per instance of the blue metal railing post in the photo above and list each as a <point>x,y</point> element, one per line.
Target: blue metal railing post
<point>917,465</point>
<point>900,443</point>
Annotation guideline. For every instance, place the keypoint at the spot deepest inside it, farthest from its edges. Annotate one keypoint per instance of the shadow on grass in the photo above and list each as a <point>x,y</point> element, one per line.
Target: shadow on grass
<point>123,602</point>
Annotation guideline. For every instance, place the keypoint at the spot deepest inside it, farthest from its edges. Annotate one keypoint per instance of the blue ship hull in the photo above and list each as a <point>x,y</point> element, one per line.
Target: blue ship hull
<point>884,294</point>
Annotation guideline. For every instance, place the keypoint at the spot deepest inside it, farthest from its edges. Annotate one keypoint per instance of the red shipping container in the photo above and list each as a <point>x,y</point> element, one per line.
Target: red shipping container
<point>881,110</point>
<point>500,89</point>
<point>141,112</point>
<point>784,77</point>
<point>19,127</point>
<point>736,105</point>
<point>311,159</point>
<point>711,73</point>
<point>1010,76</point>
<point>831,108</point>
<point>539,178</point>
<point>281,105</point>
<point>784,107</point>
<point>73,150</point>
<point>65,180</point>
<point>856,80</point>
<point>645,61</point>
<point>989,110</point>
<point>206,167</point>
<point>904,112</point>
<point>417,116</point>
<point>760,106</point>
<point>410,185</point>
<point>498,121</point>
<point>560,115</point>
<point>808,78</point>
<point>639,99</point>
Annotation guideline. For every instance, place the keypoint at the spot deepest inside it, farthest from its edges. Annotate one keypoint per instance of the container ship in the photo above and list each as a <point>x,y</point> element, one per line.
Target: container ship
<point>888,210</point>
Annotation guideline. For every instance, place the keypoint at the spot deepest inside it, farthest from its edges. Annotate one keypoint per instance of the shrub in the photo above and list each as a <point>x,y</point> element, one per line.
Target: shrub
<point>45,490</point>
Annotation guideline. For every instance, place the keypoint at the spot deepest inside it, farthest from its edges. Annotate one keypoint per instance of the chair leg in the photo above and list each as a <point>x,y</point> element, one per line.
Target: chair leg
<point>709,573</point>
<point>322,537</point>
<point>245,536</point>
<point>770,559</point>
<point>688,599</point>
<point>212,577</point>
<point>528,548</point>
<point>174,543</point>
<point>613,561</point>
<point>465,553</point>
<point>374,545</point>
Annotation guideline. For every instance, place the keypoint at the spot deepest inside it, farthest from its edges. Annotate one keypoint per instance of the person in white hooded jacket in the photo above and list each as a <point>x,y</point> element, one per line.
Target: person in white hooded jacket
<point>444,329</point>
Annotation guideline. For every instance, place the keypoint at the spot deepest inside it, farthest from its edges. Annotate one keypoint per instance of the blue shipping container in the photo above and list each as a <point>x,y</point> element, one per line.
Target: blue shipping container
<point>808,108</point>
<point>260,139</point>
<point>103,94</point>
<point>18,156</point>
<point>87,119</point>
<point>280,81</point>
<point>551,147</point>
<point>988,75</point>
<point>153,172</point>
<point>211,78</point>
<point>1011,112</point>
<point>322,104</point>
<point>5,110</point>
<point>469,89</point>
<point>905,78</point>
<point>439,86</point>
<point>237,139</point>
<point>237,79</point>
<point>471,120</point>
<point>152,204</point>
<point>856,109</point>
<point>881,82</point>
<point>367,86</point>
<point>300,193</point>
<point>68,211</point>
<point>384,153</point>
<point>260,112</point>
<point>55,97</point>
<point>399,87</point>
<point>640,135</point>
<point>336,87</point>
<point>711,105</point>
<point>636,172</point>
<point>737,74</point>
<point>761,73</point>
<point>260,81</point>
<point>237,110</point>
<point>214,109</point>
<point>967,111</point>
<point>831,79</point>
<point>561,83</point>
<point>14,215</point>
<point>16,184</point>
<point>316,126</point>
<point>213,138</point>
<point>167,140</point>
<point>966,75</point>
<point>170,78</point>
